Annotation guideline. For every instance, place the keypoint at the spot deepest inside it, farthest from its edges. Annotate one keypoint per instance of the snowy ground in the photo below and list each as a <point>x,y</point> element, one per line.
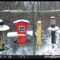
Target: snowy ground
<point>45,49</point>
<point>25,50</point>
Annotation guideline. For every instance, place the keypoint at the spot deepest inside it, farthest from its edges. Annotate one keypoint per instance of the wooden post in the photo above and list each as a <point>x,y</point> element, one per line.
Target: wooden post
<point>39,30</point>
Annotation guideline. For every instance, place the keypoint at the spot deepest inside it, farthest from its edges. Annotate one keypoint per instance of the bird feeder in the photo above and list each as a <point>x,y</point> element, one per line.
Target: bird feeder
<point>21,28</point>
<point>53,28</point>
<point>39,30</point>
<point>2,29</point>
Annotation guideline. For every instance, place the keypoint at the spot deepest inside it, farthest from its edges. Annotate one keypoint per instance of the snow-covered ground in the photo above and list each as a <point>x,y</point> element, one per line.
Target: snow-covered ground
<point>45,49</point>
<point>25,50</point>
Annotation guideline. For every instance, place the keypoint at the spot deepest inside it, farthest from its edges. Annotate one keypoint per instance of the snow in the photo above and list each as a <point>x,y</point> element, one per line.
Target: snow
<point>39,21</point>
<point>53,29</point>
<point>4,28</point>
<point>58,36</point>
<point>58,31</point>
<point>12,34</point>
<point>52,17</point>
<point>30,33</point>
<point>41,51</point>
<point>22,50</point>
<point>48,50</point>
<point>21,20</point>
<point>6,46</point>
<point>45,49</point>
<point>0,52</point>
<point>27,5</point>
<point>1,20</point>
<point>15,34</point>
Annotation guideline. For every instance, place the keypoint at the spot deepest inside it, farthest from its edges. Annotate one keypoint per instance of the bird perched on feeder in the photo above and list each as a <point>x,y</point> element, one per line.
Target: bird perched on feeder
<point>52,29</point>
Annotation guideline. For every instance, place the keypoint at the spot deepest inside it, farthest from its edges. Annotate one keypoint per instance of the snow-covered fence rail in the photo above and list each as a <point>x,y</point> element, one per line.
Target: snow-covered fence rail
<point>29,11</point>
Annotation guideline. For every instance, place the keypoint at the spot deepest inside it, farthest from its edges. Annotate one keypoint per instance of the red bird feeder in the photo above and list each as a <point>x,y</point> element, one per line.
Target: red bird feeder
<point>21,28</point>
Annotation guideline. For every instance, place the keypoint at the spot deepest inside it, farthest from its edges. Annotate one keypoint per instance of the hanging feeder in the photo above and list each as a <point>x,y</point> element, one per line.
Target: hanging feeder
<point>21,28</point>
<point>52,29</point>
<point>2,29</point>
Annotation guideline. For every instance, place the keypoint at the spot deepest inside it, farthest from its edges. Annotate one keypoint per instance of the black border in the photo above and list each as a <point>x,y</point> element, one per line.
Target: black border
<point>29,0</point>
<point>29,56</point>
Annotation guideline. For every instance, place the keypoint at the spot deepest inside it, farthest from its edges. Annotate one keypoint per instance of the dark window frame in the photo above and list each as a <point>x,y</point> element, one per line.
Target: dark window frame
<point>20,28</point>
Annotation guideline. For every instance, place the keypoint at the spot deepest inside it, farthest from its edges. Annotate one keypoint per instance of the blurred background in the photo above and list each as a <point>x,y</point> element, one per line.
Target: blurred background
<point>27,5</point>
<point>45,6</point>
